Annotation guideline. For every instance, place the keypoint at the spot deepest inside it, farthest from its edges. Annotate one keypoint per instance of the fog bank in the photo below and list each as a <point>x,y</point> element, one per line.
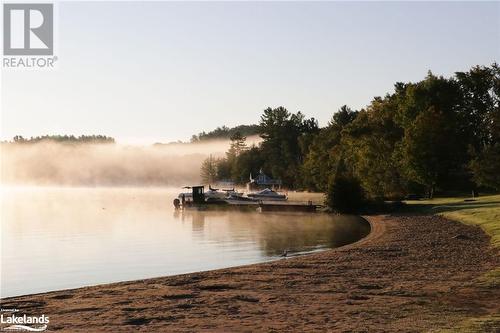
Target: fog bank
<point>49,163</point>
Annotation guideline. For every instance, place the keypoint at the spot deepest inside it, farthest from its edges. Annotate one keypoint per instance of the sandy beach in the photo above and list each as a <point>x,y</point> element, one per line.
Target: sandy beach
<point>411,274</point>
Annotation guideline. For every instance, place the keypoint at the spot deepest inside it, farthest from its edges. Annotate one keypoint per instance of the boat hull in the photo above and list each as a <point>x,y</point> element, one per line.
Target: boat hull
<point>268,198</point>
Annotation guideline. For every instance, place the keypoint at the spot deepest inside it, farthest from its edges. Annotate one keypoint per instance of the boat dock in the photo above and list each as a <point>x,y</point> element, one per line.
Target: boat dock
<point>263,206</point>
<point>287,207</point>
<point>198,200</point>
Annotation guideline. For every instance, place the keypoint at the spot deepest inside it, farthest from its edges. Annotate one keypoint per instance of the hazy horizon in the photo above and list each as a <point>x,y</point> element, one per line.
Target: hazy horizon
<point>164,71</point>
<point>49,163</point>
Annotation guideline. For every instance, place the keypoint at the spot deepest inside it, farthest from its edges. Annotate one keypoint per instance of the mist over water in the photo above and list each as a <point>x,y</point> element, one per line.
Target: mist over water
<point>79,214</point>
<point>49,163</point>
<point>57,238</point>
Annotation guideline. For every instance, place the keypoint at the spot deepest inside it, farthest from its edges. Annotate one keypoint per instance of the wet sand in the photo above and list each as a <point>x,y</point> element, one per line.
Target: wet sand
<point>411,274</point>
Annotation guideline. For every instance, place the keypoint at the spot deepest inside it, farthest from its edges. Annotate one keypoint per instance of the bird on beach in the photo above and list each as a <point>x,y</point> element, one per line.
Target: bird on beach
<point>285,253</point>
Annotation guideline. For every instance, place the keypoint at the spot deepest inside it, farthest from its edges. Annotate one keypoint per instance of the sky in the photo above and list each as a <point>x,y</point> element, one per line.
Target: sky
<point>146,72</point>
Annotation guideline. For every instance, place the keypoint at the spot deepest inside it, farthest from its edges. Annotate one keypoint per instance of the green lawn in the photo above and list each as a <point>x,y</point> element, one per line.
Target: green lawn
<point>484,211</point>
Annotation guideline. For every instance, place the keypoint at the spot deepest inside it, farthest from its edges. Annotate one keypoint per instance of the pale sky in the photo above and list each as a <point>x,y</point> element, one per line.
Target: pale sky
<point>162,71</point>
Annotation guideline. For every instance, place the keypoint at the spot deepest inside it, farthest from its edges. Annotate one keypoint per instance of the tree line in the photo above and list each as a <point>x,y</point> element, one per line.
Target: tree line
<point>224,132</point>
<point>64,139</point>
<point>436,135</point>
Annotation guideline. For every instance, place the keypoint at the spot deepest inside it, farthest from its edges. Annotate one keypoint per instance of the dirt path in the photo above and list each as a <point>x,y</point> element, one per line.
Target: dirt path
<point>411,274</point>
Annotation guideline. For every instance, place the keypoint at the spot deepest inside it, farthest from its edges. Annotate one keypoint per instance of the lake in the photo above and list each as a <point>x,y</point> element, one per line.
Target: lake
<point>59,238</point>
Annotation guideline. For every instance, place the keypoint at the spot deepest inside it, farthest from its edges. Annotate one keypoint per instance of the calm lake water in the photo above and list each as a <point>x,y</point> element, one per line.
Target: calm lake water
<point>53,238</point>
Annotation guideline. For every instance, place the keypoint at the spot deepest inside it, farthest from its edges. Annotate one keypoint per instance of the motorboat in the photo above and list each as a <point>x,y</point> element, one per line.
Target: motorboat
<point>268,195</point>
<point>214,193</point>
<point>233,193</point>
<point>238,199</point>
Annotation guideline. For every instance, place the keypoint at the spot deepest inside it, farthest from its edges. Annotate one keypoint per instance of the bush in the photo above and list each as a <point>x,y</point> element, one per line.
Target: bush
<point>345,195</point>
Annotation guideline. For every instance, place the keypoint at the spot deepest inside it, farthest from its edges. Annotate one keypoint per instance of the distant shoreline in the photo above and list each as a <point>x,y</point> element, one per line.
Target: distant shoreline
<point>410,273</point>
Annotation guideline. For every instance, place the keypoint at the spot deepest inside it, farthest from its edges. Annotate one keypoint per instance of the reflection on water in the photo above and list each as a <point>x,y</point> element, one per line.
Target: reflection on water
<point>275,232</point>
<point>63,238</point>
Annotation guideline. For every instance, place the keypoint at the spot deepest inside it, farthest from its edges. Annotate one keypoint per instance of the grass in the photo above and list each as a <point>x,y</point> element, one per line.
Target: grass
<point>484,212</point>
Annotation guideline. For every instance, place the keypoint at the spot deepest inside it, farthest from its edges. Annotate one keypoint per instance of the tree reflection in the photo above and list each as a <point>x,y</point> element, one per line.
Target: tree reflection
<point>273,233</point>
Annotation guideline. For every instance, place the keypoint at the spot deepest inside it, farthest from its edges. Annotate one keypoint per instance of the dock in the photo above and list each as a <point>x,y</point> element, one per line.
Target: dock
<point>287,207</point>
<point>262,206</point>
<point>197,200</point>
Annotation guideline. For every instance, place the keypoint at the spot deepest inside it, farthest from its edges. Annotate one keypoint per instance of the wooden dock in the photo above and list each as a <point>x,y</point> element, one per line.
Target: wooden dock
<point>260,206</point>
<point>287,207</point>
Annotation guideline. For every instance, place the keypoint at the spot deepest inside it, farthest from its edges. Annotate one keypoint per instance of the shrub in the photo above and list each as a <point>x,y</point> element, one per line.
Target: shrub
<point>345,195</point>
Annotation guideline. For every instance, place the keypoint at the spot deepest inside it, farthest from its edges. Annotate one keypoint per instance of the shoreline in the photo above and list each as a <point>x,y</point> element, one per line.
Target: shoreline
<point>303,254</point>
<point>408,273</point>
<point>370,234</point>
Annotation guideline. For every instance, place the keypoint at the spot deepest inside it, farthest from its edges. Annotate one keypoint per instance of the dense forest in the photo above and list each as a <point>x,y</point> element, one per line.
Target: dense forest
<point>437,135</point>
